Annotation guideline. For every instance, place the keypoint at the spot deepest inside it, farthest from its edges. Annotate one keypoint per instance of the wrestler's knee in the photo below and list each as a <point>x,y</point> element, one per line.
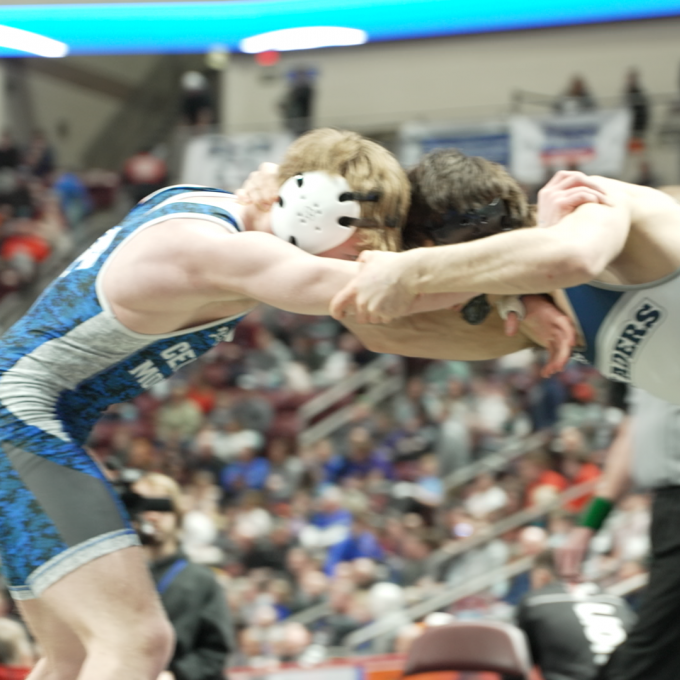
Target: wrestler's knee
<point>161,640</point>
<point>56,669</point>
<point>147,643</point>
<point>152,636</point>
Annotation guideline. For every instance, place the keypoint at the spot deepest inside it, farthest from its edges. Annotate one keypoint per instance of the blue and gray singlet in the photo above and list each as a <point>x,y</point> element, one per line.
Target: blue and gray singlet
<point>69,357</point>
<point>61,365</point>
<point>632,332</point>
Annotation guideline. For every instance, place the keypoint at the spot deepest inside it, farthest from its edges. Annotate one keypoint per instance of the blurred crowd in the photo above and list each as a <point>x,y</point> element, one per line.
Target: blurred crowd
<point>312,543</point>
<point>40,206</point>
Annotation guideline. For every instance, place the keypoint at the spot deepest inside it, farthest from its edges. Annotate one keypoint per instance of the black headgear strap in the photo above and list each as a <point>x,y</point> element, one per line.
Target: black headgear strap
<point>368,197</point>
<point>458,227</point>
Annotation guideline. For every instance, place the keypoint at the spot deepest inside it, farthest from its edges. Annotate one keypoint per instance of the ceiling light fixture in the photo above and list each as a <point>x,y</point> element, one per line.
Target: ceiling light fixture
<point>303,38</point>
<point>34,43</point>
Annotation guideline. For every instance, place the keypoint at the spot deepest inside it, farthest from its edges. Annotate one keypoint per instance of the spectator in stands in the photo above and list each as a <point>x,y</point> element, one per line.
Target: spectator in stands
<point>531,541</point>
<point>477,560</point>
<point>194,601</point>
<point>415,402</point>
<point>544,396</point>
<point>363,458</point>
<point>340,363</point>
<point>454,442</point>
<point>196,99</point>
<point>638,105</point>
<point>361,542</point>
<point>269,549</point>
<point>231,437</point>
<point>17,656</point>
<point>73,196</point>
<point>252,520</point>
<point>337,625</point>
<point>39,156</point>
<point>576,465</point>
<point>144,173</point>
<point>10,156</point>
<point>312,588</point>
<point>179,418</point>
<point>331,510</point>
<point>23,248</point>
<point>541,482</point>
<point>330,523</point>
<point>413,563</point>
<point>202,457</point>
<point>293,645</point>
<point>576,98</point>
<point>387,603</point>
<point>298,562</point>
<point>285,469</point>
<point>560,525</point>
<point>15,194</point>
<point>296,106</point>
<point>486,498</point>
<point>430,488</point>
<point>267,362</point>
<point>248,471</point>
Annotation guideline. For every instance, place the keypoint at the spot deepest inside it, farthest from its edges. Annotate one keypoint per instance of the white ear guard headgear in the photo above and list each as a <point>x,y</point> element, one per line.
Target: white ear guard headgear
<point>317,211</point>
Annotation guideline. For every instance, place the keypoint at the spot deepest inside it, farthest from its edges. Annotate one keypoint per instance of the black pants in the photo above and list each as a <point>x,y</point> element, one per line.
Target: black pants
<point>652,650</point>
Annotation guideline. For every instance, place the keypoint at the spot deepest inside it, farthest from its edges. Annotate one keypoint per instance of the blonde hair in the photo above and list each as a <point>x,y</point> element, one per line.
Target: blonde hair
<point>156,483</point>
<point>447,178</point>
<point>367,167</point>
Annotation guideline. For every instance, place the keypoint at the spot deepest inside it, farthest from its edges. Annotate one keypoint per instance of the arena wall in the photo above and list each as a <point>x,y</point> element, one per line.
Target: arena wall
<point>377,86</point>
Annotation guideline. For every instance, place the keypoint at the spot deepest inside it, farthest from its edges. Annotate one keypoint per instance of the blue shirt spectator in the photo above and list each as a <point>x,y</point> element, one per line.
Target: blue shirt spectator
<point>361,542</point>
<point>245,474</point>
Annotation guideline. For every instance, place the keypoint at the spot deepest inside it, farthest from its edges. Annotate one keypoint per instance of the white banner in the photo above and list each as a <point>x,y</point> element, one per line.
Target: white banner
<point>595,143</point>
<point>224,162</point>
<point>489,139</point>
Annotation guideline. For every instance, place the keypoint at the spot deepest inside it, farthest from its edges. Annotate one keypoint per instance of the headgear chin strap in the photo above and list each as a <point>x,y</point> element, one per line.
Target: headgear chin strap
<point>317,211</point>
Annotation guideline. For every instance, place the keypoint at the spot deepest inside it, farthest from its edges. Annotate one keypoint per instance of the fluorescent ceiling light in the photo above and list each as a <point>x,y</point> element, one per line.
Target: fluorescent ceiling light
<point>34,43</point>
<point>303,38</point>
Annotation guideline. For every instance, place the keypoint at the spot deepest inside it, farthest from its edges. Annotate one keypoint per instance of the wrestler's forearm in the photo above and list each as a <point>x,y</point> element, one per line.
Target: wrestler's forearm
<point>526,261</point>
<point>531,260</point>
<point>440,335</point>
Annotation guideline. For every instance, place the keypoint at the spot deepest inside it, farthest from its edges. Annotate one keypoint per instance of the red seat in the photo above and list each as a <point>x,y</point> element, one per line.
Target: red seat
<point>467,646</point>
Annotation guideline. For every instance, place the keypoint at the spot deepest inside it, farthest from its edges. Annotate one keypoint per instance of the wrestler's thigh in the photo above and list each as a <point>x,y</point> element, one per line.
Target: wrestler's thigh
<point>58,511</point>
<point>111,598</point>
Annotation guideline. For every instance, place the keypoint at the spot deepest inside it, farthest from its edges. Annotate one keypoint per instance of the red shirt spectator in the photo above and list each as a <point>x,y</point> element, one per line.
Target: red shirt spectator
<point>578,473</point>
<point>541,482</point>
<point>145,168</point>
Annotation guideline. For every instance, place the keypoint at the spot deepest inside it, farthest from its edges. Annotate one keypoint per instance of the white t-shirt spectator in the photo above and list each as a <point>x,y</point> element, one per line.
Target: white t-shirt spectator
<point>482,503</point>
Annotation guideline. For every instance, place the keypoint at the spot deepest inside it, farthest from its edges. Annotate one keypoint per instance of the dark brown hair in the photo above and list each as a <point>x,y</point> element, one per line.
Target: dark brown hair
<point>447,179</point>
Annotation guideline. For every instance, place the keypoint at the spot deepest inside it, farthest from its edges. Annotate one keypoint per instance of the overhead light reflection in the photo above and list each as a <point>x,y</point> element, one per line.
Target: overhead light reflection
<point>303,38</point>
<point>33,43</point>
